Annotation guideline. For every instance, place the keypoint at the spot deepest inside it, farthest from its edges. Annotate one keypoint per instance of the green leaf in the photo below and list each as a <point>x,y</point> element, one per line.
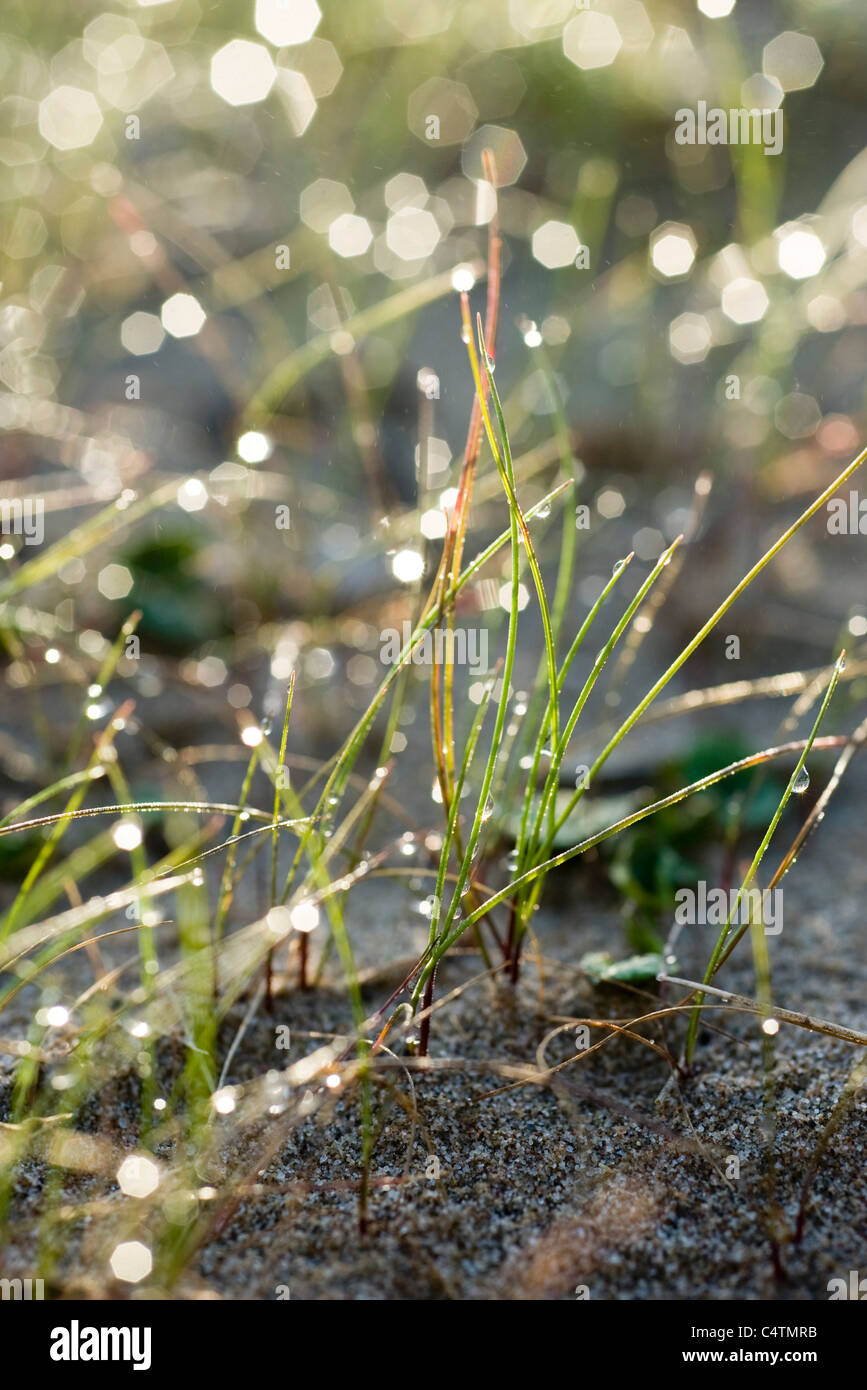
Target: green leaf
<point>602,968</point>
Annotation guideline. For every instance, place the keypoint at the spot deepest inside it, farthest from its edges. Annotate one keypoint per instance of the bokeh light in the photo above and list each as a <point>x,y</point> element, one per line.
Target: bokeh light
<point>242,72</point>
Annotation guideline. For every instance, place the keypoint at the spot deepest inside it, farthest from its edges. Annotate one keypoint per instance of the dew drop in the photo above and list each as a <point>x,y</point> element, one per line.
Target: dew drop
<point>488,809</point>
<point>801,782</point>
<point>430,908</point>
<point>544,510</point>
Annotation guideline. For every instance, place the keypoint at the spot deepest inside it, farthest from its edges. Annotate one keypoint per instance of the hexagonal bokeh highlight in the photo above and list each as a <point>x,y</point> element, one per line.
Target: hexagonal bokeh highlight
<point>761,93</point>
<point>716,9</point>
<point>689,338</point>
<point>797,415</point>
<point>795,60</point>
<point>322,201</point>
<point>744,300</point>
<point>412,234</point>
<point>318,61</point>
<point>114,581</point>
<point>182,315</point>
<point>672,250</point>
<point>101,32</point>
<point>441,112</point>
<point>69,118</point>
<point>800,252</point>
<point>283,24</point>
<point>131,1261</point>
<point>138,1176</point>
<point>142,333</point>
<point>508,151</point>
<point>242,72</point>
<point>405,191</point>
<point>350,235</point>
<point>591,40</point>
<point>555,244</point>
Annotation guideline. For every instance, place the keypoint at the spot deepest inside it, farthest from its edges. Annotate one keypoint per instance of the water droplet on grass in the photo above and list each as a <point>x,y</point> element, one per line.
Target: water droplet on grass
<point>801,782</point>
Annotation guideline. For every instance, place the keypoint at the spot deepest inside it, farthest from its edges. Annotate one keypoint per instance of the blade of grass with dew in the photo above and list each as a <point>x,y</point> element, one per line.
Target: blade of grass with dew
<point>537,848</point>
<point>224,896</point>
<point>106,671</point>
<point>566,565</point>
<point>456,532</point>
<point>482,812</point>
<point>559,752</point>
<point>640,630</point>
<point>103,750</point>
<point>617,573</point>
<point>723,941</point>
<point>625,823</point>
<point>138,860</point>
<point>64,784</point>
<point>720,612</point>
<point>507,474</point>
<point>448,840</point>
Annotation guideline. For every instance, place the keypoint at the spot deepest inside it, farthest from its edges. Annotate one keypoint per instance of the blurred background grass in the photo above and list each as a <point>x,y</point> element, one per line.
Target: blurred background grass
<point>192,194</point>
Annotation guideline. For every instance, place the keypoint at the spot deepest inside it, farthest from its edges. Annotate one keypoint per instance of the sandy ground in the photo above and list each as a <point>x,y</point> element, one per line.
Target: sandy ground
<point>594,1184</point>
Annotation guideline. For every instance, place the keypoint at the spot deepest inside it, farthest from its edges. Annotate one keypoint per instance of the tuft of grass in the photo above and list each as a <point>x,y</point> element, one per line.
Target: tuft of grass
<point>174,1013</point>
